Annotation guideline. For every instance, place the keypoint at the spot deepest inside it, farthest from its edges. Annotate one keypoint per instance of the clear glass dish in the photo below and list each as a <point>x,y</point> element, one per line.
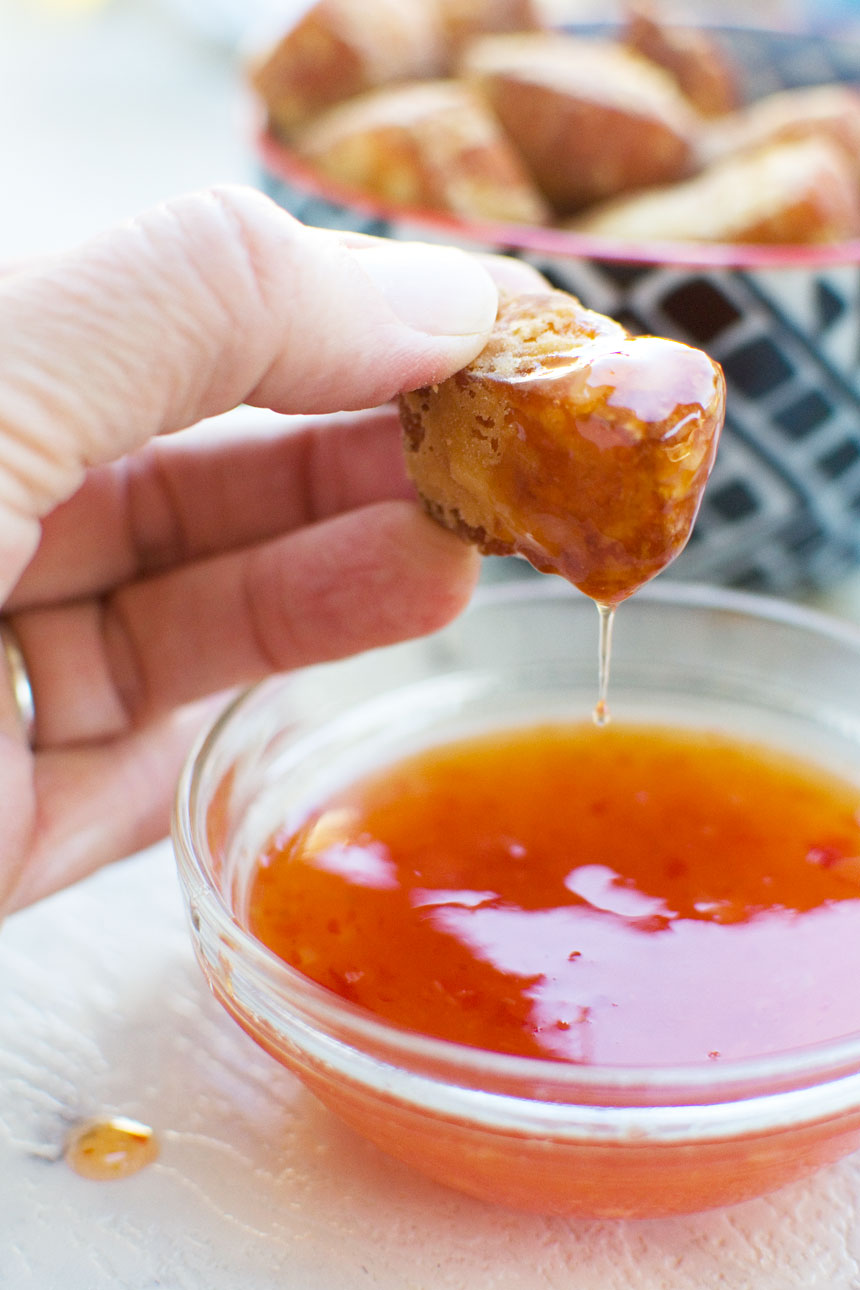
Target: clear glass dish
<point>537,1134</point>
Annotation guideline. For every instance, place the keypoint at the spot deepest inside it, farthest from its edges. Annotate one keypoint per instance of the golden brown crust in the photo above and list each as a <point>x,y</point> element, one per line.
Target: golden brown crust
<point>464,19</point>
<point>571,443</point>
<point>800,191</point>
<point>696,63</point>
<point>591,118</point>
<point>432,144</point>
<point>817,111</point>
<point>339,48</point>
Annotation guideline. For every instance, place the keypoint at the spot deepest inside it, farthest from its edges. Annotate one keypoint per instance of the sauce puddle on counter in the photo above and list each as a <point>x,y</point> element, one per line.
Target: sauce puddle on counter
<point>634,895</point>
<point>106,1150</point>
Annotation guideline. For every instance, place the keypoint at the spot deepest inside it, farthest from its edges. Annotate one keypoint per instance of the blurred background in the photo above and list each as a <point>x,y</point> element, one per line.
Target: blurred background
<point>110,105</point>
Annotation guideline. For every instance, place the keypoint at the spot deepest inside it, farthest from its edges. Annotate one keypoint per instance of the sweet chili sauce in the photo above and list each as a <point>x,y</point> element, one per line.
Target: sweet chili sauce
<point>628,895</point>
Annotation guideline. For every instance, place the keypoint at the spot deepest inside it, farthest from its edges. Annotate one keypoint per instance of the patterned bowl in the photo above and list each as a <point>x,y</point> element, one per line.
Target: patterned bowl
<point>782,511</point>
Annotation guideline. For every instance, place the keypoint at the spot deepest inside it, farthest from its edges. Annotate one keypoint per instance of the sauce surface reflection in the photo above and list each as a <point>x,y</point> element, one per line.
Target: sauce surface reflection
<point>622,896</point>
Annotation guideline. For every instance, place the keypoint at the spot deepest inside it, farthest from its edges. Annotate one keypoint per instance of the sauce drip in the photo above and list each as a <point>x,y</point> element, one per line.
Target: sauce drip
<point>633,895</point>
<point>606,613</point>
<point>104,1150</point>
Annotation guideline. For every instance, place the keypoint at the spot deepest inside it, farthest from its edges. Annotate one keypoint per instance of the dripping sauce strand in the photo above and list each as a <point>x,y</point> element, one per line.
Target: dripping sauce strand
<point>606,612</point>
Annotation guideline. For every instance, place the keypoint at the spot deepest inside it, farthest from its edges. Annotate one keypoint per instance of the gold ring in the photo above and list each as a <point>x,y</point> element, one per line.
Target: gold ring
<point>19,677</point>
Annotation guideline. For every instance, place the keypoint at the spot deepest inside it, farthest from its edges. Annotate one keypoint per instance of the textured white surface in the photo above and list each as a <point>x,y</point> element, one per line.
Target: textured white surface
<point>103,1011</point>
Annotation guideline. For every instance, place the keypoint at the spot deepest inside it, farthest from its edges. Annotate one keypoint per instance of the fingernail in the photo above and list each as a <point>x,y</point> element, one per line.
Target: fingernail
<point>514,275</point>
<point>438,290</point>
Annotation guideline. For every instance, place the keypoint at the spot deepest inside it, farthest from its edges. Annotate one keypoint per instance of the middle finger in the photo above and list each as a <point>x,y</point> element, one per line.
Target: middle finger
<point>102,666</point>
<point>219,487</point>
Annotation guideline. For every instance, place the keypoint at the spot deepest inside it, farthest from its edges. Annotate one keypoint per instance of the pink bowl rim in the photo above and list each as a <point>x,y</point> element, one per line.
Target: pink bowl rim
<point>282,162</point>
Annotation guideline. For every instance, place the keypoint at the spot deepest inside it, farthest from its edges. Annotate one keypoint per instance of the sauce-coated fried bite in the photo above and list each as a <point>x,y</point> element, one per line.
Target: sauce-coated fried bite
<point>571,443</point>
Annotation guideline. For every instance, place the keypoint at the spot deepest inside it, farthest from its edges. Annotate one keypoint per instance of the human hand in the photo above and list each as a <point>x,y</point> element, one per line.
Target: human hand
<point>142,573</point>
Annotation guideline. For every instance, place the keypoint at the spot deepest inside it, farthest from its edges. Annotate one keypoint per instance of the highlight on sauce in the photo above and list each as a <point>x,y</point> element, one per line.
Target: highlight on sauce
<point>627,895</point>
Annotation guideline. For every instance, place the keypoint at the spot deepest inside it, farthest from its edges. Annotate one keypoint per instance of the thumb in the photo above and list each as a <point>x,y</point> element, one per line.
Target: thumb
<point>203,303</point>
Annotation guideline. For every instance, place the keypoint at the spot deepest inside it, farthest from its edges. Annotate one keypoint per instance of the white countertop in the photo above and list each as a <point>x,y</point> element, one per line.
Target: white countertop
<point>103,1011</point>
<point>102,1008</point>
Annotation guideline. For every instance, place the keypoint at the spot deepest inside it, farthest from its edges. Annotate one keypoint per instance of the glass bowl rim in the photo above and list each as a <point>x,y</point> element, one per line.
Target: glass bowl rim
<point>799,1071</point>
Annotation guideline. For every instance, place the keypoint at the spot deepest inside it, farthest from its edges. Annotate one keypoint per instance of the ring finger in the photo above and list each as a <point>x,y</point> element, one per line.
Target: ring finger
<point>102,666</point>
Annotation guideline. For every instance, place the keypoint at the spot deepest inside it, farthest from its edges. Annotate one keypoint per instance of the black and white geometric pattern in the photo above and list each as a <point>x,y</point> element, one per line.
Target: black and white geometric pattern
<point>782,509</point>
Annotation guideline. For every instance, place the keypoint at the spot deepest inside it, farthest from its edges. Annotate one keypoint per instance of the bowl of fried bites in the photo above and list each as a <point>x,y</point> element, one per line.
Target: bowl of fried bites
<point>696,183</point>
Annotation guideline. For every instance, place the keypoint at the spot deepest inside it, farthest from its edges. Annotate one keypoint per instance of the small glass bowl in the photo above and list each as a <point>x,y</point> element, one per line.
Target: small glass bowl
<point>535,1134</point>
